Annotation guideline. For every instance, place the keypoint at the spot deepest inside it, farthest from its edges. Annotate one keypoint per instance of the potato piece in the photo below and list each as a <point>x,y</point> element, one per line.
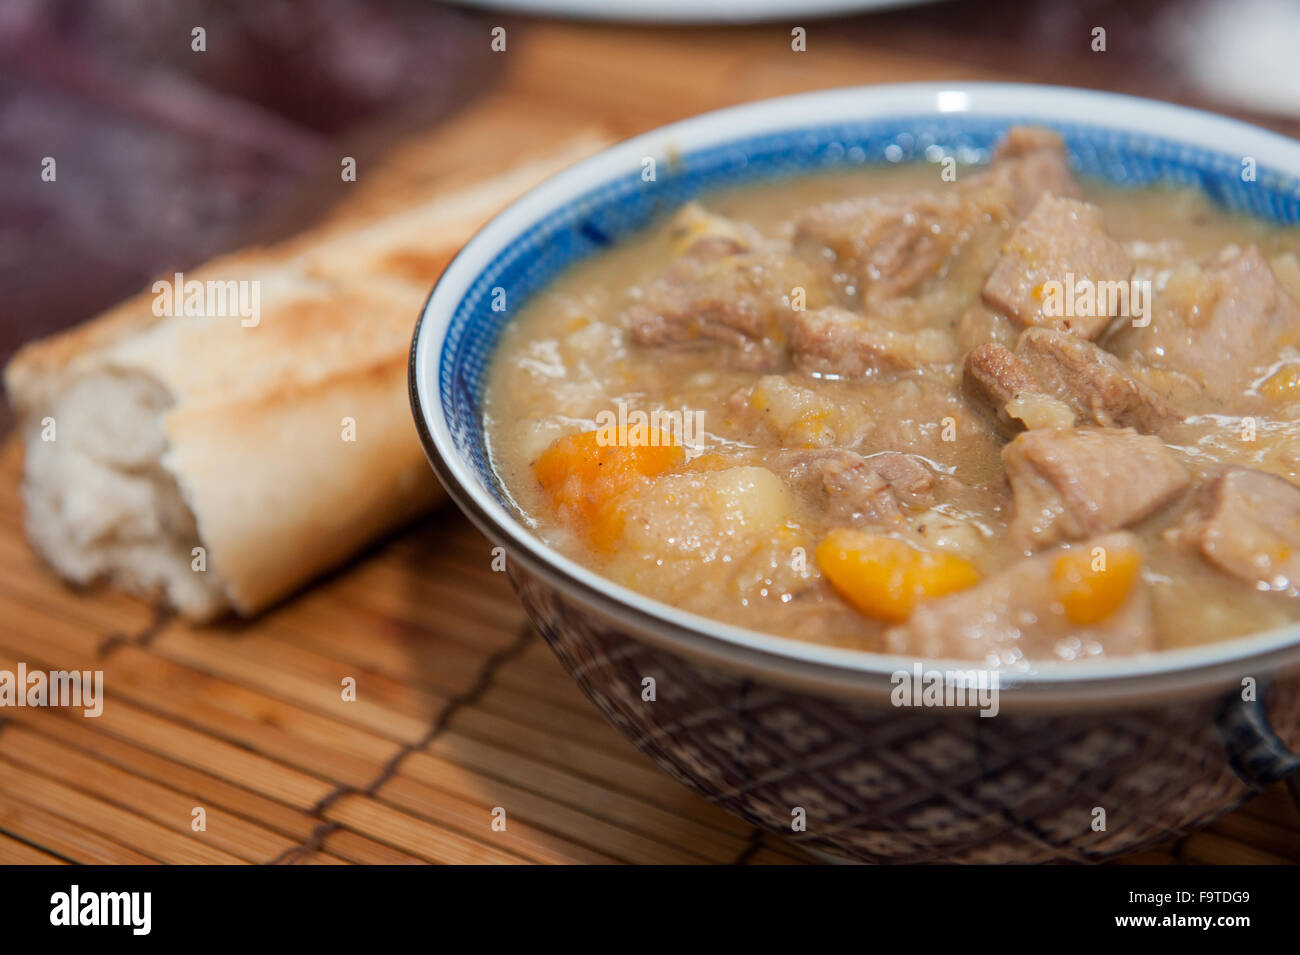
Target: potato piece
<point>1041,411</point>
<point>585,480</point>
<point>796,414</point>
<point>693,535</point>
<point>706,514</point>
<point>751,497</point>
<point>886,578</point>
<point>679,523</point>
<point>939,529</point>
<point>1091,588</point>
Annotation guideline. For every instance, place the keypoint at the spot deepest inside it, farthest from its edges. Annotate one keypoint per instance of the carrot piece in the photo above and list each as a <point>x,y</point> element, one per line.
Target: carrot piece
<point>1090,586</point>
<point>585,478</point>
<point>886,578</point>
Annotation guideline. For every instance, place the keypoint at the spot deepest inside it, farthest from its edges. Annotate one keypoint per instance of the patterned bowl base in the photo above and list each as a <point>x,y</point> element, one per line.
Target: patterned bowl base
<point>876,784</point>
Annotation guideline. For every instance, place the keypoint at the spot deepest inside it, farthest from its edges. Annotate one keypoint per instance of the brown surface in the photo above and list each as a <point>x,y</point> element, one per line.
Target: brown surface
<point>460,707</point>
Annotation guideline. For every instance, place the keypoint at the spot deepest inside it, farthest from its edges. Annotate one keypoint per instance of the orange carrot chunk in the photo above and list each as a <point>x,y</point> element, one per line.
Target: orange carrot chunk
<point>1091,586</point>
<point>886,578</point>
<point>585,478</point>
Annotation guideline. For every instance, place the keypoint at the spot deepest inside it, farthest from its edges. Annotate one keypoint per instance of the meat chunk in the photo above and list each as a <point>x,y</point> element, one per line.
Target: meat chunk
<point>834,341</point>
<point>907,476</point>
<point>994,375</point>
<point>1062,241</point>
<point>1072,483</point>
<point>1222,325</point>
<point>1053,378</point>
<point>1029,162</point>
<point>891,244</point>
<point>861,490</point>
<point>1247,524</point>
<point>729,287</point>
<point>856,492</point>
<point>999,381</point>
<point>1032,611</point>
<point>1092,381</point>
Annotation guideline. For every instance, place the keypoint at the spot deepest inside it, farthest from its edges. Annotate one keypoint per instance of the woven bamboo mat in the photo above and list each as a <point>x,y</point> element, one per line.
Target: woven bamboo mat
<point>460,708</point>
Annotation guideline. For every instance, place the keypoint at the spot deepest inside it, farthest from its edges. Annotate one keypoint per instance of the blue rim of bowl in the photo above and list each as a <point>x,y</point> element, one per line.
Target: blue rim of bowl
<point>588,220</point>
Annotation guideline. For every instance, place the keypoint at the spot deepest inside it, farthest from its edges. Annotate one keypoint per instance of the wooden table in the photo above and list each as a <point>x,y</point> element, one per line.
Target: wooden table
<point>460,708</point>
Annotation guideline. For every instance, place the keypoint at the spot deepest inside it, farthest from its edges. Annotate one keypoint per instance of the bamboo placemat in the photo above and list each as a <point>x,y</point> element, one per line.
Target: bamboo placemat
<point>460,708</point>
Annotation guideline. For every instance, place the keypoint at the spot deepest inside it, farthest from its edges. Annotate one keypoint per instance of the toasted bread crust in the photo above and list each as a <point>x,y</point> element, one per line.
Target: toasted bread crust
<point>281,487</point>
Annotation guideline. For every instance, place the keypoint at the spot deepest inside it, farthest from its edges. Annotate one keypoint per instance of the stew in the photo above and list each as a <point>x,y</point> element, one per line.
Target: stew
<point>983,412</point>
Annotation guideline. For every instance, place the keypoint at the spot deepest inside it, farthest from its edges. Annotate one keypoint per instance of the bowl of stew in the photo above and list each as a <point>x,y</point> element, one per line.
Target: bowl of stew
<point>911,470</point>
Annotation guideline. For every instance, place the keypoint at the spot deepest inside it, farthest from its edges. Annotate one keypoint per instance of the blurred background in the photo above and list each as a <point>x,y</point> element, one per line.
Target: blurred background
<point>180,129</point>
<point>167,154</point>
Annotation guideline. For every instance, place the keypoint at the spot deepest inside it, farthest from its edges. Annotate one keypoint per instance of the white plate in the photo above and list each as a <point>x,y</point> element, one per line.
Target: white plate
<point>690,11</point>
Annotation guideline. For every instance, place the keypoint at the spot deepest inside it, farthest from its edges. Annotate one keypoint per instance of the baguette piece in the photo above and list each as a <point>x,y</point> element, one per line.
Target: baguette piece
<point>218,465</point>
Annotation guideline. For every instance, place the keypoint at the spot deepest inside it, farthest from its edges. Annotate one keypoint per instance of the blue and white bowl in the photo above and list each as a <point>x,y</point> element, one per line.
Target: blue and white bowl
<point>777,730</point>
